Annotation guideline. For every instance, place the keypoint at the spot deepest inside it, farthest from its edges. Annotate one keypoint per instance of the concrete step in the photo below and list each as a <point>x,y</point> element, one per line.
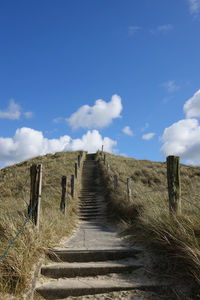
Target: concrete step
<point>89,269</point>
<point>91,255</point>
<point>91,215</point>
<point>64,288</point>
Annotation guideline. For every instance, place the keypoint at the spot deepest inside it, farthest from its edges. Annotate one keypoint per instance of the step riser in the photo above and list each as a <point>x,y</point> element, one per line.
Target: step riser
<point>84,272</point>
<point>53,294</point>
<point>91,256</point>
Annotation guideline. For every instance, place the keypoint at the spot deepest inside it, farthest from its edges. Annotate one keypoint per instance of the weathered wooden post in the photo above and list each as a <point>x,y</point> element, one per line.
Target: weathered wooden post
<point>108,167</point>
<point>104,159</point>
<point>72,186</point>
<point>35,193</point>
<point>115,181</point>
<point>129,189</point>
<point>63,197</point>
<point>79,160</point>
<point>76,170</point>
<point>102,148</point>
<point>174,184</point>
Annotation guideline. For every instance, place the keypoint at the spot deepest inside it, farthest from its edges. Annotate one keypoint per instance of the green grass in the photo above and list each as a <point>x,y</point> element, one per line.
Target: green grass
<point>146,218</point>
<point>17,267</point>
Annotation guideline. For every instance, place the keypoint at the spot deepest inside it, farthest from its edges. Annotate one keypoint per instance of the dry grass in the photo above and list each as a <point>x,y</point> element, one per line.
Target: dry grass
<point>16,267</point>
<point>146,217</point>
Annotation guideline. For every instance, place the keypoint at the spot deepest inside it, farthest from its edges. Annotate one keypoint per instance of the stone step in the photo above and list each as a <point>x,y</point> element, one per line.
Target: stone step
<point>91,215</point>
<point>64,288</point>
<point>91,255</point>
<point>89,269</point>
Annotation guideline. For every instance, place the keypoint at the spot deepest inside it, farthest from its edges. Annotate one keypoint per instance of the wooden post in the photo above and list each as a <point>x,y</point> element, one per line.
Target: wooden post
<point>115,181</point>
<point>129,189</point>
<point>108,167</point>
<point>63,197</point>
<point>72,186</point>
<point>174,184</point>
<point>79,160</point>
<point>104,159</point>
<point>102,148</point>
<point>76,170</point>
<point>35,193</point>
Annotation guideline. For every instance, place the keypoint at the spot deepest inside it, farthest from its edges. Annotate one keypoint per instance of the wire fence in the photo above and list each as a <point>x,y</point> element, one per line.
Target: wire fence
<point>19,232</point>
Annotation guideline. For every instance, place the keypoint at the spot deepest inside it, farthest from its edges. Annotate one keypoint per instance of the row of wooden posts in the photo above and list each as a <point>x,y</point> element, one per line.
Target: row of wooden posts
<point>173,180</point>
<point>36,189</point>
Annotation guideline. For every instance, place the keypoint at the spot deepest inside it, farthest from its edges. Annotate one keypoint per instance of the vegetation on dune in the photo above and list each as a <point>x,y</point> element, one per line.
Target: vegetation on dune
<point>146,218</point>
<point>16,268</point>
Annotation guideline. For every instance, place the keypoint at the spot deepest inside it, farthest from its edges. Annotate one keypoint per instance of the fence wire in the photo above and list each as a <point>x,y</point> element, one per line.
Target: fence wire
<point>19,232</point>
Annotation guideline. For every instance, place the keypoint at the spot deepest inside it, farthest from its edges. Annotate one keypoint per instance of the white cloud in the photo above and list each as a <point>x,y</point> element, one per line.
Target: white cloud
<point>183,139</point>
<point>58,120</point>
<point>127,130</point>
<point>28,114</point>
<point>28,143</point>
<point>12,112</point>
<point>192,106</point>
<point>148,136</point>
<point>132,30</point>
<point>164,28</point>
<point>171,86</point>
<point>97,116</point>
<point>194,6</point>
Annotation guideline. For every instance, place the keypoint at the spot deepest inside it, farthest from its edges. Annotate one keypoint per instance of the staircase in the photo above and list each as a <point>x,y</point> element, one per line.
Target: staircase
<point>95,260</point>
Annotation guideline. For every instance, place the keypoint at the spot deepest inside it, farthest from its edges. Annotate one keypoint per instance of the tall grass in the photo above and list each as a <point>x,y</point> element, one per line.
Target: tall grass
<point>17,266</point>
<point>146,218</point>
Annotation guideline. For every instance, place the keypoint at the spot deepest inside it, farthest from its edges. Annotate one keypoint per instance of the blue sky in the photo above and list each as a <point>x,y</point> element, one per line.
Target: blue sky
<point>139,59</point>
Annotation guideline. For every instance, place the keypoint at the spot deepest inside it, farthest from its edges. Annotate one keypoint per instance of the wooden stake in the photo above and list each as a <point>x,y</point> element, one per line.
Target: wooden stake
<point>104,159</point>
<point>79,160</point>
<point>76,170</point>
<point>174,184</point>
<point>63,197</point>
<point>72,186</point>
<point>129,189</point>
<point>35,193</point>
<point>115,181</point>
<point>108,167</point>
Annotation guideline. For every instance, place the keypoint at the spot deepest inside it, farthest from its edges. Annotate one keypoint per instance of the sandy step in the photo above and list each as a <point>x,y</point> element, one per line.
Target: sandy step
<point>89,269</point>
<point>63,288</point>
<point>91,255</point>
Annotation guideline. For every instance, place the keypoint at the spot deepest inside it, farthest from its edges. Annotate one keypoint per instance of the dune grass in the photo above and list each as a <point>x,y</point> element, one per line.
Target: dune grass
<point>17,266</point>
<point>146,218</point>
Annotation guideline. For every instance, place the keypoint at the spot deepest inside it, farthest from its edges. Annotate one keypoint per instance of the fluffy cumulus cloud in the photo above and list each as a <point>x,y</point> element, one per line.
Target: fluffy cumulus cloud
<point>12,112</point>
<point>192,106</point>
<point>98,116</point>
<point>28,143</point>
<point>148,136</point>
<point>127,130</point>
<point>183,139</point>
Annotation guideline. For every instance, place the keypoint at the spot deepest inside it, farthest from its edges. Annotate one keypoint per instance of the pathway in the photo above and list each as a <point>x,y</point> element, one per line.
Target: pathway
<point>95,260</point>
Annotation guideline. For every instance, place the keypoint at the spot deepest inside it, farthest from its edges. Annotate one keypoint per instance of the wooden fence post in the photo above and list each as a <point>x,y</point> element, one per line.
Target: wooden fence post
<point>76,170</point>
<point>63,197</point>
<point>108,167</point>
<point>174,184</point>
<point>79,160</point>
<point>129,189</point>
<point>104,159</point>
<point>115,181</point>
<point>35,193</point>
<point>72,186</point>
<point>102,148</point>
